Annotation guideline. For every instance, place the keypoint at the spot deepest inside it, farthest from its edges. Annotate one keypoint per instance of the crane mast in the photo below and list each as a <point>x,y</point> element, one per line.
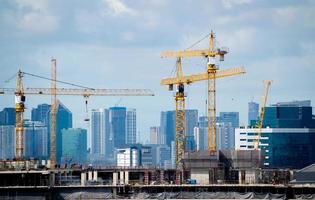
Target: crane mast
<point>19,116</point>
<point>180,118</point>
<point>53,111</point>
<point>211,98</point>
<point>262,105</point>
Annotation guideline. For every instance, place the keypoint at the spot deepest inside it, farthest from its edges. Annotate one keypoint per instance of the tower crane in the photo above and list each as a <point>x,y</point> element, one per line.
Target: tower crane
<point>211,74</point>
<point>261,116</point>
<point>20,93</point>
<point>180,80</point>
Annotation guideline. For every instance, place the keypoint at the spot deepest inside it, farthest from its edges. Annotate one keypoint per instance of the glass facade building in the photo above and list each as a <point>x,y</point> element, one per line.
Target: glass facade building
<point>117,120</point>
<point>7,142</point>
<point>253,108</point>
<point>35,140</point>
<point>131,126</point>
<point>101,140</point>
<point>227,119</point>
<point>287,138</point>
<point>74,146</point>
<point>7,116</point>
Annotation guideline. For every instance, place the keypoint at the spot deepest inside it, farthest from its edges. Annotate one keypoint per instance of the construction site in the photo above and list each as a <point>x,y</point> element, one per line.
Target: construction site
<point>204,174</point>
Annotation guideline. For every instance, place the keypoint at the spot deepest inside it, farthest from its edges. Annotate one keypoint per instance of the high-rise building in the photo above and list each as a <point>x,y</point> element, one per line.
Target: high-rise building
<point>147,156</point>
<point>203,132</point>
<point>117,120</point>
<point>233,119</point>
<point>7,116</point>
<point>163,155</point>
<point>283,147</point>
<point>288,117</point>
<point>101,140</point>
<point>131,126</point>
<point>63,121</point>
<point>303,103</point>
<point>253,108</point>
<point>287,137</point>
<point>41,113</point>
<point>74,145</point>
<point>167,126</point>
<point>224,135</point>
<point>7,142</point>
<point>155,135</point>
<point>191,121</point>
<point>198,139</point>
<point>35,140</point>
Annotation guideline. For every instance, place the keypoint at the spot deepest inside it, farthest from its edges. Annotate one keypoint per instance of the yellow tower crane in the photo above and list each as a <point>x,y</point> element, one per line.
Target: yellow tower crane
<point>19,116</point>
<point>211,74</point>
<point>180,80</point>
<point>261,116</point>
<point>20,93</point>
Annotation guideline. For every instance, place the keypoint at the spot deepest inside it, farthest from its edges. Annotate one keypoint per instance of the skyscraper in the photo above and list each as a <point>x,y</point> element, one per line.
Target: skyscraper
<point>233,119</point>
<point>252,111</point>
<point>286,138</point>
<point>7,142</point>
<point>203,132</point>
<point>101,140</point>
<point>155,135</point>
<point>225,132</point>
<point>35,140</point>
<point>191,120</point>
<point>131,126</point>
<point>7,116</point>
<point>63,121</point>
<point>167,126</point>
<point>41,113</point>
<point>74,145</point>
<point>117,120</point>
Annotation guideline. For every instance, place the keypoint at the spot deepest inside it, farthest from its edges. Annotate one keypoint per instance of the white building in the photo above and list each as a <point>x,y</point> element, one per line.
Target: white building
<point>282,147</point>
<point>127,157</point>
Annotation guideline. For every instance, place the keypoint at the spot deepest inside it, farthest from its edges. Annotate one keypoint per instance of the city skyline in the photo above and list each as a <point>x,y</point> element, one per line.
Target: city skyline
<point>89,40</point>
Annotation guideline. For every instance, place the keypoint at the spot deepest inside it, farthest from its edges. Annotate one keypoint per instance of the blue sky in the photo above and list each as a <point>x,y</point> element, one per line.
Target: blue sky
<point>117,44</point>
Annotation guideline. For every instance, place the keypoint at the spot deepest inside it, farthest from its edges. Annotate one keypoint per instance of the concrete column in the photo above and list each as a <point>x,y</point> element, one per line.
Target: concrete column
<point>90,175</point>
<point>52,179</point>
<point>95,176</point>
<point>121,177</point>
<point>146,177</point>
<point>115,178</point>
<point>83,178</point>
<point>126,177</point>
<point>162,176</point>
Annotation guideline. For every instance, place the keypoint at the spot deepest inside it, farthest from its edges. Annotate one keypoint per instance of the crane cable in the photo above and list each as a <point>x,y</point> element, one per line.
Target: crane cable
<point>67,83</point>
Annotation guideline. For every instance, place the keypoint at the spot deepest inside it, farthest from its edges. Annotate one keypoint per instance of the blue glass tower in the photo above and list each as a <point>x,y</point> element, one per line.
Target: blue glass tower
<point>230,119</point>
<point>168,126</point>
<point>191,119</point>
<point>253,108</point>
<point>7,116</point>
<point>74,146</point>
<point>64,121</point>
<point>117,117</point>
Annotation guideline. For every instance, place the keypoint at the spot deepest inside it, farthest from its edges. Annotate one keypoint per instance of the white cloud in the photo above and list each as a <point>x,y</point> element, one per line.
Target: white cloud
<point>38,22</point>
<point>231,3</point>
<point>36,16</point>
<point>116,8</point>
